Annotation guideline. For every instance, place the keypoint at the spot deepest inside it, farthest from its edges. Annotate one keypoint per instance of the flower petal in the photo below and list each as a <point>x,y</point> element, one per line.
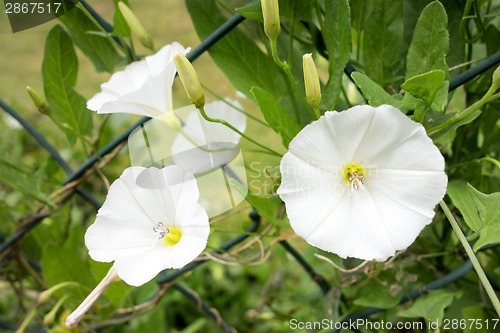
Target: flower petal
<point>404,213</point>
<point>354,228</point>
<point>403,180</point>
<point>400,143</point>
<point>332,139</point>
<point>309,193</point>
<point>143,87</point>
<point>136,202</point>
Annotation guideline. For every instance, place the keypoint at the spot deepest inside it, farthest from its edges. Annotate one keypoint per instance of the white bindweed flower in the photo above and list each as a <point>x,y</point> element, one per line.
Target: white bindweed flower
<point>205,146</point>
<point>143,87</point>
<point>151,220</point>
<point>363,182</point>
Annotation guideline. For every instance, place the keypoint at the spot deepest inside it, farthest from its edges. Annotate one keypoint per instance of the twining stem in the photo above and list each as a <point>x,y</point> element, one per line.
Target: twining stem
<point>225,123</point>
<point>108,35</point>
<point>491,160</point>
<point>471,109</point>
<point>233,106</point>
<point>477,266</point>
<point>199,146</point>
<point>284,66</point>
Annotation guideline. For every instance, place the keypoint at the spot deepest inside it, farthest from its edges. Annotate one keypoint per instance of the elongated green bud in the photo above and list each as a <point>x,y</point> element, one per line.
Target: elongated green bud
<point>311,80</point>
<point>271,14</point>
<point>135,26</point>
<point>38,100</point>
<point>189,80</point>
<point>496,78</point>
<point>49,318</point>
<point>46,294</point>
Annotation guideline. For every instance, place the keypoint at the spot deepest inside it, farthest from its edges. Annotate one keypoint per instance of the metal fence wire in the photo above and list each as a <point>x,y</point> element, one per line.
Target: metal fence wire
<point>10,243</point>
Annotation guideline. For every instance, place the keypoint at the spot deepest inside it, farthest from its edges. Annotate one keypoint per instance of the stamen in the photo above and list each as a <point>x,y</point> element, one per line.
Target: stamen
<point>161,230</point>
<point>356,181</point>
<point>170,236</point>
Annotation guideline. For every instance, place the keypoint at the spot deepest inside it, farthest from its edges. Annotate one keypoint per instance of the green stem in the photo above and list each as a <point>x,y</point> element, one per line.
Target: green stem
<point>148,146</point>
<point>185,135</point>
<point>317,112</point>
<point>471,109</point>
<point>492,160</point>
<point>27,320</point>
<point>225,123</point>
<point>274,52</point>
<point>477,266</point>
<point>234,107</point>
<point>284,66</point>
<point>110,38</point>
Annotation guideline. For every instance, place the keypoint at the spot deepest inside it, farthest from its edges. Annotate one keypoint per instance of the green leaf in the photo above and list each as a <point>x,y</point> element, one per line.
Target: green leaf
<point>456,54</point>
<point>441,99</point>
<point>277,117</point>
<point>337,37</point>
<point>376,295</point>
<point>443,137</point>
<point>431,306</point>
<point>476,315</point>
<point>383,35</point>
<point>120,26</point>
<point>22,179</point>
<point>373,93</point>
<point>411,11</point>
<point>296,9</point>
<point>266,207</point>
<point>431,89</point>
<point>236,54</point>
<point>65,263</point>
<point>425,86</point>
<point>252,11</point>
<point>463,200</point>
<point>430,43</point>
<point>488,206</point>
<point>60,70</point>
<point>98,49</point>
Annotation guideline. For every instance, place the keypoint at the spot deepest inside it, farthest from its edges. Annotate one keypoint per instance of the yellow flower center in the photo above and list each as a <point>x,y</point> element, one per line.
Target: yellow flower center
<point>170,236</point>
<point>355,175</point>
<point>173,237</point>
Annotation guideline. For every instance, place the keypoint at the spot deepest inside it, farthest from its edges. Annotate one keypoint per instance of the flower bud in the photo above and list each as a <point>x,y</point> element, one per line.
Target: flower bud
<point>496,78</point>
<point>171,120</point>
<point>48,319</point>
<point>189,80</point>
<point>39,101</point>
<point>135,26</point>
<point>271,14</point>
<point>46,294</point>
<point>311,80</point>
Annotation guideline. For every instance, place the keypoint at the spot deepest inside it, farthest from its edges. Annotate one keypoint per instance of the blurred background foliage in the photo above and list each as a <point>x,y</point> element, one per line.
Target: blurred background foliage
<point>264,296</point>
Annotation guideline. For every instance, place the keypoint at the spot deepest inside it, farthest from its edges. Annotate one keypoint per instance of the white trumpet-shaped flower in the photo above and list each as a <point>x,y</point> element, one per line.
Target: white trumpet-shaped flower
<point>363,182</point>
<point>151,220</point>
<point>143,87</point>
